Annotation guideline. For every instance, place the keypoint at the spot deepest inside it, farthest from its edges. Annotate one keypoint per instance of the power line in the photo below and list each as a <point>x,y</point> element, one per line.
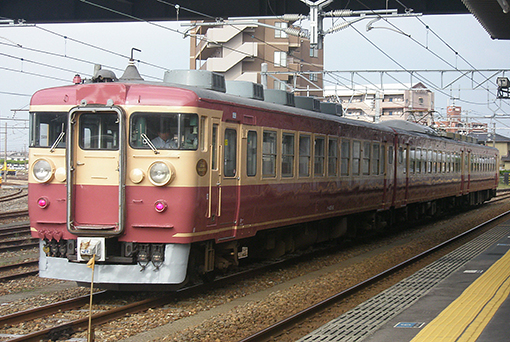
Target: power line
<point>35,74</point>
<point>97,47</point>
<point>14,94</point>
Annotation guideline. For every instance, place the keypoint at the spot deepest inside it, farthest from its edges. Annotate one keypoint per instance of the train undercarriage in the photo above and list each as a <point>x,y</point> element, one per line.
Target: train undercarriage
<point>208,258</point>
<point>202,261</point>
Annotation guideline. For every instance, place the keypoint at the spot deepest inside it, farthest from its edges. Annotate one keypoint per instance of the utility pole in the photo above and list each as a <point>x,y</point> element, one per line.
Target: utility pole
<point>5,156</point>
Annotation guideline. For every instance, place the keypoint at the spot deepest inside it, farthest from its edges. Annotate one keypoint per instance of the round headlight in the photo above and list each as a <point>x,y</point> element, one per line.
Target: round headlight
<point>160,174</point>
<point>42,170</point>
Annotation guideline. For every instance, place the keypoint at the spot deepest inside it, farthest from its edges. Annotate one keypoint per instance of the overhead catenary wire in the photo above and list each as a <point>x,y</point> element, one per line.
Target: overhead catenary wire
<point>407,9</point>
<point>173,30</point>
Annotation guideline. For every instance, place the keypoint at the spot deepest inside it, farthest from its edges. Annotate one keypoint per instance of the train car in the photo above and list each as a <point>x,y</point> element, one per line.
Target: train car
<point>167,182</point>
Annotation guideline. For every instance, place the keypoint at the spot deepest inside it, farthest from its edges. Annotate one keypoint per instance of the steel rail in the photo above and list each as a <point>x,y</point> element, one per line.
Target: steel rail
<point>10,196</point>
<point>273,330</point>
<point>16,213</point>
<point>41,311</point>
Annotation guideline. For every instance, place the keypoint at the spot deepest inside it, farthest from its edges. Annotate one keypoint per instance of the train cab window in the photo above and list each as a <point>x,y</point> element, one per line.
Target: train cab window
<point>345,158</point>
<point>99,132</point>
<point>48,129</point>
<point>251,154</point>
<point>366,158</point>
<point>304,155</point>
<point>320,156</point>
<point>230,152</point>
<point>269,154</point>
<point>356,157</point>
<point>164,131</point>
<point>376,160</point>
<point>332,157</point>
<point>287,155</point>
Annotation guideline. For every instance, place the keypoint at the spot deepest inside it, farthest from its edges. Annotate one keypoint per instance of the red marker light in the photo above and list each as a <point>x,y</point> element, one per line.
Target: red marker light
<point>77,79</point>
<point>43,202</point>
<point>160,206</point>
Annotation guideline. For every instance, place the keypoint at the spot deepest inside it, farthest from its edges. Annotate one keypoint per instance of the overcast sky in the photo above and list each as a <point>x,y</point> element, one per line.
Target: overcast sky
<point>50,55</point>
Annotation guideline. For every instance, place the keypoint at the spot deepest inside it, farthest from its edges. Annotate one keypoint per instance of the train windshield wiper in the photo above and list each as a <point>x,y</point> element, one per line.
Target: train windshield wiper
<point>148,142</point>
<point>59,139</point>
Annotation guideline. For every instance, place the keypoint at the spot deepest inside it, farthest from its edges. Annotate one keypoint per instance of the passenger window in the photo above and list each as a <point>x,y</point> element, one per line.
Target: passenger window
<point>383,160</point>
<point>345,155</point>
<point>304,156</point>
<point>287,155</point>
<point>375,159</point>
<point>366,158</point>
<point>412,159</point>
<point>269,154</point>
<point>320,154</point>
<point>251,154</point>
<point>356,156</point>
<point>332,157</point>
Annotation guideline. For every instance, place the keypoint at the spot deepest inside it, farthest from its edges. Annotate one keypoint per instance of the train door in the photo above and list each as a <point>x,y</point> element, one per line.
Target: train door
<point>388,162</point>
<point>95,159</point>
<point>214,193</point>
<point>230,179</point>
<point>224,178</point>
<point>401,174</point>
<point>466,173</point>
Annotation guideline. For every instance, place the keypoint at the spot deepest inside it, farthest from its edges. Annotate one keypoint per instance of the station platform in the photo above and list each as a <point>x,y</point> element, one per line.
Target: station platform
<point>463,296</point>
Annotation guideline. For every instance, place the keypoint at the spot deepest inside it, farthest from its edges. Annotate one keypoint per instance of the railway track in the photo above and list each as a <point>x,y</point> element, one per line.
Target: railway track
<point>104,316</point>
<point>77,325</point>
<point>14,213</point>
<point>19,270</point>
<point>18,194</point>
<point>282,327</point>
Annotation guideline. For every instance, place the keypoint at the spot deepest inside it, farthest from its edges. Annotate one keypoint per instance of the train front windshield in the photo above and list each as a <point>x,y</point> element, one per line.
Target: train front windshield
<point>164,131</point>
<point>48,129</point>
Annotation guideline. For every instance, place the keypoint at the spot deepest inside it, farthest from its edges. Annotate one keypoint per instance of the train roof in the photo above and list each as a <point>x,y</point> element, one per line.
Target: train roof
<point>209,86</point>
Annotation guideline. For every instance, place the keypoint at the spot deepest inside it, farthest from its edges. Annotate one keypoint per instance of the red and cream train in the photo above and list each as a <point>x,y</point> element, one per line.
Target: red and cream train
<point>237,177</point>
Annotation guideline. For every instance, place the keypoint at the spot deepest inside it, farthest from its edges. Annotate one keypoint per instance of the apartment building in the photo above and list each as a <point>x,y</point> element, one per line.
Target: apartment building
<point>238,50</point>
<point>389,102</point>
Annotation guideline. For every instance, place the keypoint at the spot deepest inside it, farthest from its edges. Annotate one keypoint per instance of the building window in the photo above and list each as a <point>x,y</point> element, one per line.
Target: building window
<point>314,52</point>
<point>287,155</point>
<point>282,26</point>
<point>269,154</point>
<point>280,59</point>
<point>314,77</point>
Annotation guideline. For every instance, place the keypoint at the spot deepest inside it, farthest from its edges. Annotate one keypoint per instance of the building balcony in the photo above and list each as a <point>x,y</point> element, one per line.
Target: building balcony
<point>225,63</point>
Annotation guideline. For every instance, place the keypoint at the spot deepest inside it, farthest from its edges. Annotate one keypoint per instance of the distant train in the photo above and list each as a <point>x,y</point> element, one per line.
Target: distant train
<point>230,176</point>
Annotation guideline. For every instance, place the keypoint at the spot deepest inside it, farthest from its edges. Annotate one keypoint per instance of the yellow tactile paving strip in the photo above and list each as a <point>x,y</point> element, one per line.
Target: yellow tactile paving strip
<point>465,318</point>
